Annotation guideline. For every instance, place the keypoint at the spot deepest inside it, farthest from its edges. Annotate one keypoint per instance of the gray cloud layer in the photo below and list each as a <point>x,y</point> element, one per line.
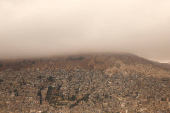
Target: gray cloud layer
<point>33,28</point>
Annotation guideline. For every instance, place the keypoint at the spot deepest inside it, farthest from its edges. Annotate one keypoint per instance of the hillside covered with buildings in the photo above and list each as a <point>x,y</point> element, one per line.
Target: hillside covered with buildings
<point>99,83</point>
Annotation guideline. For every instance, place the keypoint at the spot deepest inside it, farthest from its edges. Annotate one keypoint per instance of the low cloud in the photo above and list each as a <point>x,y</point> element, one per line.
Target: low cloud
<point>37,28</point>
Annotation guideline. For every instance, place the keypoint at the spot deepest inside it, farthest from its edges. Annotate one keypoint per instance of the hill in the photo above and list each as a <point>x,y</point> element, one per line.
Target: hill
<point>82,60</point>
<point>119,82</point>
<point>90,61</point>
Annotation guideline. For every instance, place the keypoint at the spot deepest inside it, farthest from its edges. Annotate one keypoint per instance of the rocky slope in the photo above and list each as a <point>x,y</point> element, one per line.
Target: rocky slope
<point>115,83</point>
<point>86,61</point>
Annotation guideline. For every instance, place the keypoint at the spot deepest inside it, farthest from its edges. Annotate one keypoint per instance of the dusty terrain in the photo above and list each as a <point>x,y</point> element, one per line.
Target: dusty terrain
<point>115,83</point>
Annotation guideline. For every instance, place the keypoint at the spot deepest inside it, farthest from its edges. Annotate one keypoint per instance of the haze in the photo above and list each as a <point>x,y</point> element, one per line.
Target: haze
<point>37,28</point>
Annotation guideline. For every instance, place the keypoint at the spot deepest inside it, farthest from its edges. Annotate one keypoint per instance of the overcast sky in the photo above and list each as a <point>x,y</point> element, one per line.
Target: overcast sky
<point>33,28</point>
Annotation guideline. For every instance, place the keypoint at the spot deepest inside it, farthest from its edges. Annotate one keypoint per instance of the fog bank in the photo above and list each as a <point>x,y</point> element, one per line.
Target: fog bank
<point>37,28</point>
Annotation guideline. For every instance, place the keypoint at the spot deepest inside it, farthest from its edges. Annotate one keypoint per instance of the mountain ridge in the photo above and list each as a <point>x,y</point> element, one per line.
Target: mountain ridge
<point>67,60</point>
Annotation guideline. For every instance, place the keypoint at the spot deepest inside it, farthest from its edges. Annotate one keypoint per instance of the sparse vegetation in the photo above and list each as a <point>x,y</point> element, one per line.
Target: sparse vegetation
<point>73,98</point>
<point>1,65</point>
<point>1,80</point>
<point>50,78</point>
<point>39,77</point>
<point>84,98</point>
<point>106,96</point>
<point>74,59</point>
<point>24,61</point>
